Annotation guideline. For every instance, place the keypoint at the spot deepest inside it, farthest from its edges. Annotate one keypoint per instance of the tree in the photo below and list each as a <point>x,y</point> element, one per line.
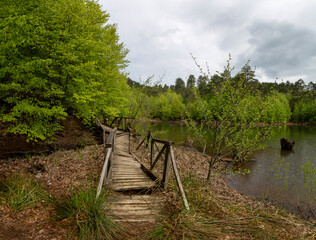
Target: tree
<point>179,86</point>
<point>202,85</point>
<point>231,115</point>
<point>167,106</point>
<point>189,91</point>
<point>191,81</point>
<point>57,57</point>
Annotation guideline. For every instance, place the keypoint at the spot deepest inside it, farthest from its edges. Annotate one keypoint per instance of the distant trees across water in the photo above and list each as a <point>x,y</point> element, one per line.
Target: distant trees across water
<point>280,102</point>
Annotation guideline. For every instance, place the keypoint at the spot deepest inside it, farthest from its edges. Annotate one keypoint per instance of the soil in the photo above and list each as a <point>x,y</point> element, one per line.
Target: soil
<point>59,173</point>
<point>68,165</point>
<point>63,170</point>
<point>74,135</point>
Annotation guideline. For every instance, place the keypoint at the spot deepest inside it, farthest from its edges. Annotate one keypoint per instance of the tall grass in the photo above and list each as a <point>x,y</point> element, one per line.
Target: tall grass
<point>20,191</point>
<point>87,215</point>
<point>212,216</point>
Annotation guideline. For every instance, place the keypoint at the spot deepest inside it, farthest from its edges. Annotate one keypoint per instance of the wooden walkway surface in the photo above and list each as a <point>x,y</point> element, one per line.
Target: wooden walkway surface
<point>133,201</point>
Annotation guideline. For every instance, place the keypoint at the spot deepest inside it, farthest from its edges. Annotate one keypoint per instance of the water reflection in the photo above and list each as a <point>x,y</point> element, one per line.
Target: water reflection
<point>285,153</point>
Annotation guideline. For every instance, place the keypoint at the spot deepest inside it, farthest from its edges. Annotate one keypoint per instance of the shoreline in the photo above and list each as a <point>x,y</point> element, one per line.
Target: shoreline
<point>182,122</point>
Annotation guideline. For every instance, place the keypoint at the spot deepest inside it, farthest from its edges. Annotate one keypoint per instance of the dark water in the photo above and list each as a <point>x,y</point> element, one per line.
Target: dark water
<point>275,176</point>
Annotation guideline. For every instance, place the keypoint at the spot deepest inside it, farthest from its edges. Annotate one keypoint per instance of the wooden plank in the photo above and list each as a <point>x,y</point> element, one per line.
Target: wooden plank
<point>142,141</point>
<point>135,212</point>
<point>132,182</point>
<point>158,156</point>
<point>142,197</point>
<point>133,171</point>
<point>131,177</point>
<point>122,187</point>
<point>162,141</point>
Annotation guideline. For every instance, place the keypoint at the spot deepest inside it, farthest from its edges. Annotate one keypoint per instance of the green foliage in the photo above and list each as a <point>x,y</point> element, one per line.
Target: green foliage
<point>167,105</point>
<point>87,214</point>
<point>139,99</point>
<point>309,173</point>
<point>233,111</point>
<point>276,108</point>
<point>305,111</point>
<point>19,192</point>
<point>57,57</point>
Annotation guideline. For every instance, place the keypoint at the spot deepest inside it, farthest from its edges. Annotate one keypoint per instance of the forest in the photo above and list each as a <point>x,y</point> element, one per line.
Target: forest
<point>63,58</point>
<point>282,102</point>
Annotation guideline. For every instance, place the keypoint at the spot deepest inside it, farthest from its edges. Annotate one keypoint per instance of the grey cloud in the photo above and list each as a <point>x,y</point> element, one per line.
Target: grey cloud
<point>281,48</point>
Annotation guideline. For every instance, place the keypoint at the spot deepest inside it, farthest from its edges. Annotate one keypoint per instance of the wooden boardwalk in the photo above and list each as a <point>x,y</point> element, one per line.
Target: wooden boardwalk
<point>133,202</point>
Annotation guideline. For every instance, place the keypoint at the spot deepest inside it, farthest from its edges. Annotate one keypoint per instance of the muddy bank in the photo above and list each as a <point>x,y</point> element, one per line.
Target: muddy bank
<point>74,135</point>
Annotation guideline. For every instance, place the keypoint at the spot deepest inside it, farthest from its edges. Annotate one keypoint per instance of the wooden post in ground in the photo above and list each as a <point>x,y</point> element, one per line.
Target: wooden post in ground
<point>148,137</point>
<point>176,173</point>
<point>103,137</point>
<point>165,176</point>
<point>152,152</point>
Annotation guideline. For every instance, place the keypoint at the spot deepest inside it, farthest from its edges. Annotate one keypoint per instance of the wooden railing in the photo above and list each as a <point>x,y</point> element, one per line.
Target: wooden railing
<point>121,123</point>
<point>169,159</point>
<point>108,143</point>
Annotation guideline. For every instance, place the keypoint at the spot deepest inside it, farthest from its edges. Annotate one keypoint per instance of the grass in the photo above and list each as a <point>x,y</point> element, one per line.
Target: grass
<point>21,191</point>
<point>212,217</point>
<point>86,215</point>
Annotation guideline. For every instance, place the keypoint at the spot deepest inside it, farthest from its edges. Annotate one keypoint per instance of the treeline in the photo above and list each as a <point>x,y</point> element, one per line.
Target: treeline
<point>279,102</point>
<point>62,57</point>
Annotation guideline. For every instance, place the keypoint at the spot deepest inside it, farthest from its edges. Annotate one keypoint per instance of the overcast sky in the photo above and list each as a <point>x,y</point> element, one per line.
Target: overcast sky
<point>277,36</point>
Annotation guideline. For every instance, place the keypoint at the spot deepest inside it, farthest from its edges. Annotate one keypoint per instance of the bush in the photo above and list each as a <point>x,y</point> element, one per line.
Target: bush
<point>276,109</point>
<point>167,106</point>
<point>305,111</point>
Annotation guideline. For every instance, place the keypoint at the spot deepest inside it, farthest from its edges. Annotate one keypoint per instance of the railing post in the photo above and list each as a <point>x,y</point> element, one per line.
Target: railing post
<point>152,152</point>
<point>103,137</point>
<point>165,176</point>
<point>176,174</point>
<point>148,137</point>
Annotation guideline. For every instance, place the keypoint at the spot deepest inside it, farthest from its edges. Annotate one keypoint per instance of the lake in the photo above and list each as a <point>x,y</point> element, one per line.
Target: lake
<point>275,176</point>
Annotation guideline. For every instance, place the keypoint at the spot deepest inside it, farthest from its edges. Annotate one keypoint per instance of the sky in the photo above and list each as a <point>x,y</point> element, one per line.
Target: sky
<point>163,36</point>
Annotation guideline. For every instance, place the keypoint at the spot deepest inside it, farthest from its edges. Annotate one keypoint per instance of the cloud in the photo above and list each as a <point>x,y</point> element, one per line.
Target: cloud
<point>281,49</point>
<point>277,36</point>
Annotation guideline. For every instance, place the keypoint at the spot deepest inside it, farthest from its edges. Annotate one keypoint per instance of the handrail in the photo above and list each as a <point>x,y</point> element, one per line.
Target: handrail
<point>169,159</point>
<point>122,123</point>
<point>108,148</point>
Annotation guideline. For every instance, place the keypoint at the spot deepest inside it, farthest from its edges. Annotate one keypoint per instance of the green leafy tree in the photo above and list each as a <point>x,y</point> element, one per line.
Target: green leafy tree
<point>189,91</point>
<point>179,86</point>
<point>57,57</point>
<point>202,85</point>
<point>276,108</point>
<point>232,113</point>
<point>168,106</point>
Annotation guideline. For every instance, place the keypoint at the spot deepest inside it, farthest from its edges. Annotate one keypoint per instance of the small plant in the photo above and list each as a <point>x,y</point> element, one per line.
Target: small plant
<point>279,174</point>
<point>87,214</point>
<point>309,173</point>
<point>19,192</point>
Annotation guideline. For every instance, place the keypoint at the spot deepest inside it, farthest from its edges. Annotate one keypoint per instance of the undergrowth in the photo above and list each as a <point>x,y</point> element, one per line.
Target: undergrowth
<point>211,217</point>
<point>19,192</point>
<point>86,215</point>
